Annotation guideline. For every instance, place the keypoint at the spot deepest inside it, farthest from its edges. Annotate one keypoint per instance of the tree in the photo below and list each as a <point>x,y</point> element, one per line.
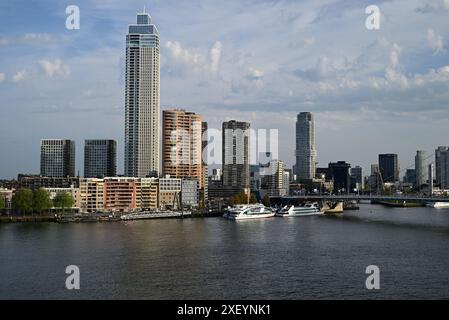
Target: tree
<point>2,203</point>
<point>22,201</point>
<point>63,200</point>
<point>41,200</point>
<point>266,200</point>
<point>253,198</point>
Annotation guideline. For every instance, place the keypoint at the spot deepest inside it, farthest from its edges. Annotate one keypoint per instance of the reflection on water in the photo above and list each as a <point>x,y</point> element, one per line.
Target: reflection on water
<point>279,258</point>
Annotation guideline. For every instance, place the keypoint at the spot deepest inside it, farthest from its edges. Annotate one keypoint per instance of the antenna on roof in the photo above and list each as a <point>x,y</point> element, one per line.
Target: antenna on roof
<point>144,7</point>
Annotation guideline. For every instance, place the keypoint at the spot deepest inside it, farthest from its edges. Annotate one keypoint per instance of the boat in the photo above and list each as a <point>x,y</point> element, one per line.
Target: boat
<point>249,212</point>
<point>240,207</point>
<point>145,215</point>
<point>333,209</point>
<point>439,205</point>
<point>351,205</point>
<point>309,209</point>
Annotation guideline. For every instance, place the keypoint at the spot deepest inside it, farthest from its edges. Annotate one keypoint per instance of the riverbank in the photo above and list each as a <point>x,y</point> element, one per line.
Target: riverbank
<point>91,219</point>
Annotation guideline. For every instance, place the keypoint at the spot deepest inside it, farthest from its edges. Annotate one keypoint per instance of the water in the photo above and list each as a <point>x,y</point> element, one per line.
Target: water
<point>280,258</point>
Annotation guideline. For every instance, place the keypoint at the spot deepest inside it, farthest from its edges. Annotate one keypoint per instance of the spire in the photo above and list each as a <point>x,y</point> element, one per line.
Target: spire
<point>144,9</point>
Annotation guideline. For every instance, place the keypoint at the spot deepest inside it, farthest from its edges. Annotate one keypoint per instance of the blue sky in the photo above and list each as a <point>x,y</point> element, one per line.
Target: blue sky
<point>260,61</point>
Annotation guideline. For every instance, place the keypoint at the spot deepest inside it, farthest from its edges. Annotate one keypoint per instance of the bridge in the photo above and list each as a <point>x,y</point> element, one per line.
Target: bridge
<point>357,198</point>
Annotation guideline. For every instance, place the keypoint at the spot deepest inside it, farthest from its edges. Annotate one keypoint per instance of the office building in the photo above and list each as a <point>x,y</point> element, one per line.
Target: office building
<point>389,167</point>
<point>340,176</point>
<point>305,146</point>
<point>57,158</point>
<point>441,167</point>
<point>421,168</point>
<point>357,177</point>
<point>100,158</point>
<point>189,193</point>
<point>235,155</point>
<point>170,193</point>
<point>142,99</point>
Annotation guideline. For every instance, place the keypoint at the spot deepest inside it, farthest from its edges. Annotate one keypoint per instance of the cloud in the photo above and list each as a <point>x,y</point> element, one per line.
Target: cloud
<point>2,77</point>
<point>178,53</point>
<point>27,39</point>
<point>20,76</point>
<point>215,56</point>
<point>255,74</point>
<point>55,68</point>
<point>434,6</point>
<point>181,55</point>
<point>435,42</point>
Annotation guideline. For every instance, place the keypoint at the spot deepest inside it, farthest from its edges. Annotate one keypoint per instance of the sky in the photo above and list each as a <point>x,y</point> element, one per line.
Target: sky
<point>262,61</point>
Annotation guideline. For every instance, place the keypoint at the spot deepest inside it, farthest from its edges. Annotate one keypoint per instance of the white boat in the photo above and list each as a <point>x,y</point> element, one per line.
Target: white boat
<point>154,215</point>
<point>240,207</point>
<point>309,209</point>
<point>249,212</point>
<point>438,204</point>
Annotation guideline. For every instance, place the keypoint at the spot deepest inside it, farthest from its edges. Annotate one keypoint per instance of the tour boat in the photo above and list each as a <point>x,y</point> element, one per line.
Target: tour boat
<point>249,212</point>
<point>438,204</point>
<point>309,209</point>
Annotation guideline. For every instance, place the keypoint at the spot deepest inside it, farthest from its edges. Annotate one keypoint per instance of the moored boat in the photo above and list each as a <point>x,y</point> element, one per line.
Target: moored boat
<point>309,209</point>
<point>439,205</point>
<point>249,212</point>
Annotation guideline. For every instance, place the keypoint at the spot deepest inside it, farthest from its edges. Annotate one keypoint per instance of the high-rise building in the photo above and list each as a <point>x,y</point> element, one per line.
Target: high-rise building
<point>357,176</point>
<point>421,168</point>
<point>100,158</point>
<point>305,146</point>
<point>410,176</point>
<point>441,173</point>
<point>340,176</point>
<point>142,99</point>
<point>57,158</point>
<point>389,167</point>
<point>182,145</point>
<point>235,154</point>
<point>204,192</point>
<point>272,178</point>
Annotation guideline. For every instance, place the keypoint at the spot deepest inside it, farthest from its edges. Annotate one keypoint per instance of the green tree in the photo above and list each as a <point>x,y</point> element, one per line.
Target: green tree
<point>41,201</point>
<point>266,200</point>
<point>22,201</point>
<point>253,198</point>
<point>63,200</point>
<point>2,203</point>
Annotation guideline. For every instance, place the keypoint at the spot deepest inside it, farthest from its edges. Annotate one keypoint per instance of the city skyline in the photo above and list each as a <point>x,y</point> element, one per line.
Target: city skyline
<point>45,105</point>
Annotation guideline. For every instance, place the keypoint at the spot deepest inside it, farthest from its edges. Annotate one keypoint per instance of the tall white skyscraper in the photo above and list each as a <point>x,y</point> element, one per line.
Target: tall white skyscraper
<point>142,99</point>
<point>305,146</point>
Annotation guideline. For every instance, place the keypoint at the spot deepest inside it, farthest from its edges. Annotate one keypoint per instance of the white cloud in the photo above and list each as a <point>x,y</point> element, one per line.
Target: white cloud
<point>178,53</point>
<point>20,76</point>
<point>55,68</point>
<point>2,77</point>
<point>186,56</point>
<point>215,56</point>
<point>435,42</point>
<point>36,38</point>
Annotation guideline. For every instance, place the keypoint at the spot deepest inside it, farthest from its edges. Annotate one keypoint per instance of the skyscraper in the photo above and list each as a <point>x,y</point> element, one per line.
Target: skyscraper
<point>100,158</point>
<point>421,168</point>
<point>142,99</point>
<point>182,145</point>
<point>57,158</point>
<point>340,176</point>
<point>389,167</point>
<point>357,176</point>
<point>305,146</point>
<point>235,154</point>
<point>441,172</point>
